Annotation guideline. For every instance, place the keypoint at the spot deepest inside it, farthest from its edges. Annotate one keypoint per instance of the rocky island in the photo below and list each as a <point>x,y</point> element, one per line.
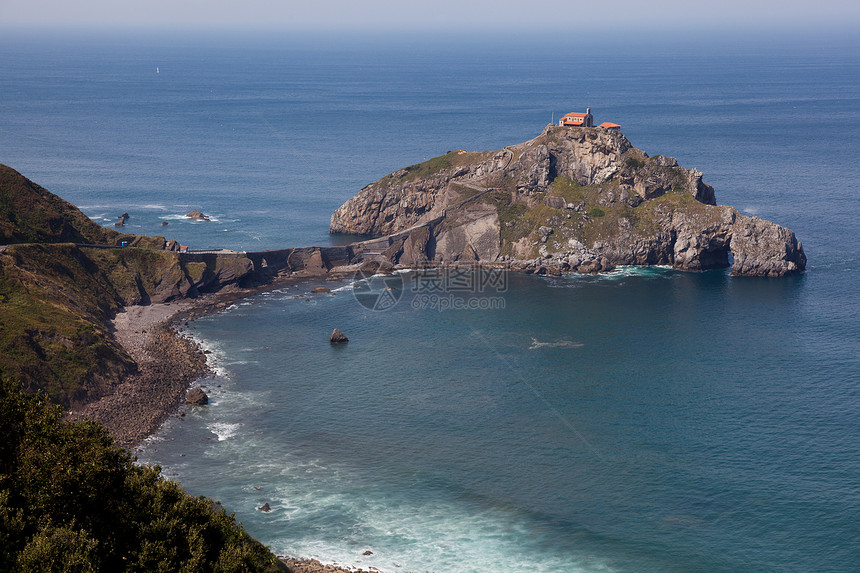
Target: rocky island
<point>573,199</point>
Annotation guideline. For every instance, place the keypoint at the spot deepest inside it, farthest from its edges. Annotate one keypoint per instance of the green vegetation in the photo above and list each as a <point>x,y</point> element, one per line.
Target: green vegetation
<point>437,164</point>
<point>592,221</point>
<point>195,270</point>
<point>71,500</point>
<point>572,191</point>
<point>56,300</point>
<point>433,165</point>
<point>53,322</point>
<point>634,163</point>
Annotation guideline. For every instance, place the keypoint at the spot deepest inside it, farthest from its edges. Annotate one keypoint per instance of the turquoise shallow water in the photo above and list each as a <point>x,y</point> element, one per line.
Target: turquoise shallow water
<point>645,421</point>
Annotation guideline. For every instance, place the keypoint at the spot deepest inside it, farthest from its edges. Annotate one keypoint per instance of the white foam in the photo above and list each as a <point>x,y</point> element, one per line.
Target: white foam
<point>556,344</point>
<point>624,271</point>
<point>224,430</point>
<point>446,536</point>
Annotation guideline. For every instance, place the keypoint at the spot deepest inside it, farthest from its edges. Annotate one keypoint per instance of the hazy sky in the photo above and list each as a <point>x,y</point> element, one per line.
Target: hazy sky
<point>484,14</point>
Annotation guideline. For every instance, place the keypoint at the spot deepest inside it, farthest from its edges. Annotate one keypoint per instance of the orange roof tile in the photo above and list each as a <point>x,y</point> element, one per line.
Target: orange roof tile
<point>607,124</point>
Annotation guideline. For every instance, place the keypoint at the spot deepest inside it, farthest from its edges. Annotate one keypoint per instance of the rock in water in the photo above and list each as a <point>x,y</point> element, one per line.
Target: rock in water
<point>338,337</point>
<point>320,289</point>
<point>265,507</point>
<point>197,216</point>
<point>196,396</point>
<point>587,189</point>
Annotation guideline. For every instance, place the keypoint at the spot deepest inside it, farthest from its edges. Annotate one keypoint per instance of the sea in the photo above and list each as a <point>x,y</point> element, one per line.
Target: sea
<point>645,420</point>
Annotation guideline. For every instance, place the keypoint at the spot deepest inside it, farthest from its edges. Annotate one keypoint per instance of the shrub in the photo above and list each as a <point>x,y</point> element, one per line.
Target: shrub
<point>71,500</point>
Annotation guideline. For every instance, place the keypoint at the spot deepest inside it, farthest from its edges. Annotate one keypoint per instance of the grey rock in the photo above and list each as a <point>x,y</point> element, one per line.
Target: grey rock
<point>197,216</point>
<point>762,248</point>
<point>197,397</point>
<point>338,337</point>
<point>555,202</point>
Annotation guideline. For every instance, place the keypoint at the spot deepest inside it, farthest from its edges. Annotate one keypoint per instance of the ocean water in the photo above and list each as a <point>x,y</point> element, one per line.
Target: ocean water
<point>647,420</point>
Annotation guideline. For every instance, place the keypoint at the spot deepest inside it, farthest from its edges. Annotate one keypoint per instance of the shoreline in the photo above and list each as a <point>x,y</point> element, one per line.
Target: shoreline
<point>168,363</point>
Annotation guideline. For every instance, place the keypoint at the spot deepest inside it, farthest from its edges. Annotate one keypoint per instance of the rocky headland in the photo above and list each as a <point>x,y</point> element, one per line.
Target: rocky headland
<point>573,199</point>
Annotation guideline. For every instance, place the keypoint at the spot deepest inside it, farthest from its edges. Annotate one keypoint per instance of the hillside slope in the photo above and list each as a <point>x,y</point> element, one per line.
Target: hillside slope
<point>56,298</point>
<point>31,214</point>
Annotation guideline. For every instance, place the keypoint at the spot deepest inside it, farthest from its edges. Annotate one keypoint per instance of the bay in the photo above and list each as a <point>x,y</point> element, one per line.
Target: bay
<point>649,420</point>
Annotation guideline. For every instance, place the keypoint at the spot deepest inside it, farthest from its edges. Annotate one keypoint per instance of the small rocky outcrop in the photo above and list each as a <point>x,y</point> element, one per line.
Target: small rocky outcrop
<point>761,248</point>
<point>571,200</point>
<point>122,219</point>
<point>197,216</point>
<point>266,508</point>
<point>338,337</point>
<point>320,289</point>
<point>197,397</point>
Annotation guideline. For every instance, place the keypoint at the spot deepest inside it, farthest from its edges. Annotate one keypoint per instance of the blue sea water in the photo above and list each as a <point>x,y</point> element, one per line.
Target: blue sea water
<point>648,420</point>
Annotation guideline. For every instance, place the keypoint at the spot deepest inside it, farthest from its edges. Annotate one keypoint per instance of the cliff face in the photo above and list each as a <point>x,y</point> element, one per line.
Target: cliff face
<point>56,301</point>
<point>572,199</point>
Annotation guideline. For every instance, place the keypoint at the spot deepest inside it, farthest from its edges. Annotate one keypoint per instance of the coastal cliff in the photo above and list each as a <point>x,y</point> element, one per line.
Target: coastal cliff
<point>570,200</point>
<point>63,278</point>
